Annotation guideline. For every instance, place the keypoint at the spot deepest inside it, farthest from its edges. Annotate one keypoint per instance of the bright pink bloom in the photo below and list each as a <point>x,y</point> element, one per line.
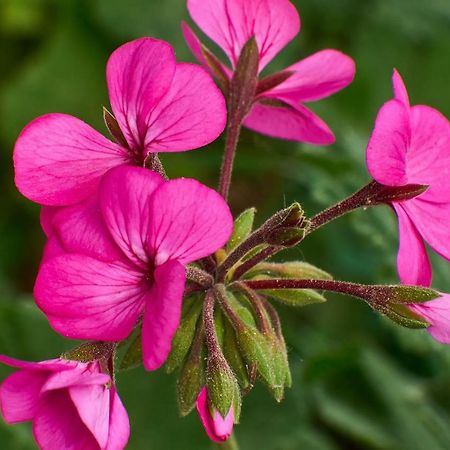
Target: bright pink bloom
<point>125,255</point>
<point>278,110</point>
<point>217,428</point>
<point>411,145</point>
<point>437,313</point>
<point>160,106</point>
<point>72,405</point>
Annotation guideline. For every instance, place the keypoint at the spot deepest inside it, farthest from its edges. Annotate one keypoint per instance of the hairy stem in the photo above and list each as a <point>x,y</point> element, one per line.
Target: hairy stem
<point>254,260</point>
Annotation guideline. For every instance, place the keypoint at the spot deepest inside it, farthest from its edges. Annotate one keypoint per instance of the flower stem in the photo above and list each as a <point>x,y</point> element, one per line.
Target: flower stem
<point>254,260</point>
<point>230,444</point>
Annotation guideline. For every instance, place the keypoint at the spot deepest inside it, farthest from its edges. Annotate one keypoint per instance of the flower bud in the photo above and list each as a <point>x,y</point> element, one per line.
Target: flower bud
<point>285,237</point>
<point>291,269</point>
<point>217,427</point>
<point>243,226</point>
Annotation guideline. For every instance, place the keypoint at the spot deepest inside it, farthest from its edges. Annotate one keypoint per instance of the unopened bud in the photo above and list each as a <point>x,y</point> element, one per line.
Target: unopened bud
<point>291,269</point>
<point>217,427</point>
<point>243,226</point>
<point>285,237</point>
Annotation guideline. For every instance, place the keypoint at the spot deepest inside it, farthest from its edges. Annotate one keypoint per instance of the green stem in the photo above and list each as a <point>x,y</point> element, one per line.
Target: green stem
<point>230,444</point>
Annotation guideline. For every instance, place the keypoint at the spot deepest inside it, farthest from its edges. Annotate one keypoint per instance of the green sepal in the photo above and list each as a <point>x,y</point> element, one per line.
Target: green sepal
<point>403,316</point>
<point>243,226</point>
<point>409,294</point>
<point>133,355</point>
<point>182,341</point>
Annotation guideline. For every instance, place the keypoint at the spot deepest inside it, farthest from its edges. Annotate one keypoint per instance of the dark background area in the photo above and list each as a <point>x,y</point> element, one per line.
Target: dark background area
<point>360,382</point>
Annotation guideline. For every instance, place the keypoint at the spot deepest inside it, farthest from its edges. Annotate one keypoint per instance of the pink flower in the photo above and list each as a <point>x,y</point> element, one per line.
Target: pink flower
<point>437,313</point>
<point>411,145</point>
<point>160,106</point>
<point>217,428</point>
<point>278,110</point>
<point>114,261</point>
<point>72,405</point>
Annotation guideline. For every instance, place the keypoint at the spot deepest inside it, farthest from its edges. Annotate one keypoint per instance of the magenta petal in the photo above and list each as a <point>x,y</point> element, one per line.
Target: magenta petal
<point>57,425</point>
<point>413,264</point>
<point>80,376</point>
<point>189,221</point>
<point>290,121</point>
<point>195,46</point>
<point>218,429</point>
<point>46,218</point>
<point>230,24</point>
<point>428,158</point>
<point>437,313</point>
<point>124,199</point>
<point>52,248</point>
<point>316,77</point>
<point>192,113</point>
<point>119,424</point>
<point>49,365</point>
<point>139,74</point>
<point>84,298</point>
<point>81,229</point>
<point>19,395</point>
<point>59,160</point>
<point>92,404</point>
<point>400,92</point>
<point>162,313</point>
<point>388,145</point>
<point>432,221</point>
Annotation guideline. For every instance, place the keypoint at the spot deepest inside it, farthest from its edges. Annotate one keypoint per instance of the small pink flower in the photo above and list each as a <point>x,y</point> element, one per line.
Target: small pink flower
<point>437,313</point>
<point>120,259</point>
<point>411,145</point>
<point>217,428</point>
<point>72,405</point>
<point>278,111</point>
<point>160,106</point>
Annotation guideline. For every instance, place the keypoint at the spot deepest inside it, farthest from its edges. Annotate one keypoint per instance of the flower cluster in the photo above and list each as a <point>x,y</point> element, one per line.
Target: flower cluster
<point>154,270</point>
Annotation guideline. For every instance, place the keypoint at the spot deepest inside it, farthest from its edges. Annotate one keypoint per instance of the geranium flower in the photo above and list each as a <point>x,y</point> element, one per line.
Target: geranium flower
<point>278,110</point>
<point>159,105</point>
<point>217,428</point>
<point>72,405</point>
<point>124,258</point>
<point>411,145</point>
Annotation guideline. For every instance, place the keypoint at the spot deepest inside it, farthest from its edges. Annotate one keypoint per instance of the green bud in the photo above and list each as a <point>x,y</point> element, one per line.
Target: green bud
<point>293,216</point>
<point>233,356</point>
<point>285,237</point>
<point>184,336</point>
<point>243,226</point>
<point>222,384</point>
<point>238,304</point>
<point>191,380</point>
<point>293,269</point>
<point>295,297</point>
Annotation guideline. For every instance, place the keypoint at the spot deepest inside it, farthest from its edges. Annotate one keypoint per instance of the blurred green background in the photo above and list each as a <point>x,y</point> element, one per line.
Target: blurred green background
<point>359,381</point>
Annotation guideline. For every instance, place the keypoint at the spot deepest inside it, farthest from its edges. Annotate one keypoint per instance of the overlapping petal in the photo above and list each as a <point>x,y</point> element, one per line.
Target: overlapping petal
<point>288,120</point>
<point>316,77</point>
<point>119,425</point>
<point>190,115</point>
<point>59,159</point>
<point>189,221</point>
<point>85,298</point>
<point>162,313</point>
<point>139,74</point>
<point>388,146</point>
<point>230,24</point>
<point>413,263</point>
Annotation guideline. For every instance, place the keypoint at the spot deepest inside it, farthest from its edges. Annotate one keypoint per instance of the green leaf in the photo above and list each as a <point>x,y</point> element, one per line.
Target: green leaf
<point>243,226</point>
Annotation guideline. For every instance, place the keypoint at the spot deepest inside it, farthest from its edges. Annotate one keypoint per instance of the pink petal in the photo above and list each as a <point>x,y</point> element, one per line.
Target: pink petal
<point>119,425</point>
<point>52,248</point>
<point>437,313</point>
<point>57,425</point>
<point>139,74</point>
<point>88,299</point>
<point>400,92</point>
<point>49,365</point>
<point>92,404</point>
<point>59,160</point>
<point>413,264</point>
<point>428,157</point>
<point>432,221</point>
<point>192,113</point>
<point>81,375</point>
<point>316,77</point>
<point>289,120</point>
<point>195,46</point>
<point>231,23</point>
<point>124,202</point>
<point>388,145</point>
<point>162,313</point>
<point>189,221</point>
<point>81,229</point>
<point>19,395</point>
<point>46,218</point>
<point>218,429</point>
